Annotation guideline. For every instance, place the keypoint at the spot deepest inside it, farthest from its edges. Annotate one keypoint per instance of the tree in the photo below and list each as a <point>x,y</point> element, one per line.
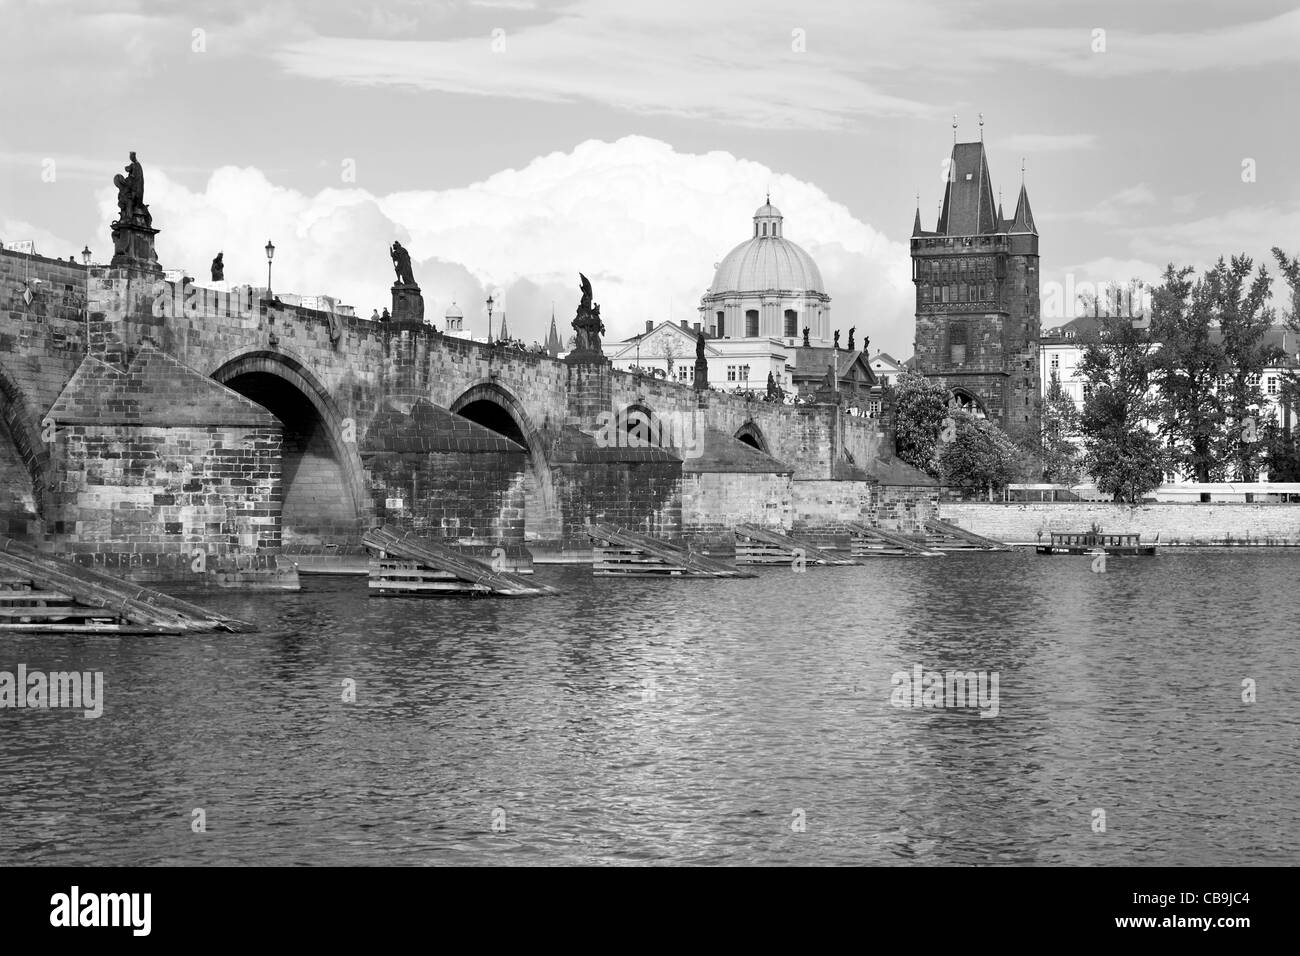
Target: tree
<point>920,408</point>
<point>979,457</point>
<point>1058,447</point>
<point>1186,369</point>
<point>1244,320</point>
<point>1123,457</point>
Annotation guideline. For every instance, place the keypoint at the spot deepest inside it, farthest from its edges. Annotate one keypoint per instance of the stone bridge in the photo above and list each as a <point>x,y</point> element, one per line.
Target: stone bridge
<point>167,429</point>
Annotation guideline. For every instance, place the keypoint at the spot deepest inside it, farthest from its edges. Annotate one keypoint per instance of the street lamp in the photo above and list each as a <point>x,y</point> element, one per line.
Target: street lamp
<point>270,251</point>
<point>489,305</point>
<point>85,255</point>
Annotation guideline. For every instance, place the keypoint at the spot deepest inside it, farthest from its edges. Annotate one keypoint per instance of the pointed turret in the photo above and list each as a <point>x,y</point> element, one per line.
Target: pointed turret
<point>916,226</point>
<point>968,199</point>
<point>1024,219</point>
<point>553,344</point>
<point>505,335</point>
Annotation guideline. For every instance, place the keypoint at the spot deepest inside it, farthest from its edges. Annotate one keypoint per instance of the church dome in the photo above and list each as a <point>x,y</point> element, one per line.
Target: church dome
<point>767,261</point>
<point>454,313</point>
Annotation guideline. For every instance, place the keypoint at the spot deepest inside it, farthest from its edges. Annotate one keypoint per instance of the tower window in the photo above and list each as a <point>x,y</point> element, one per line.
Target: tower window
<point>765,229</point>
<point>751,323</point>
<point>722,324</point>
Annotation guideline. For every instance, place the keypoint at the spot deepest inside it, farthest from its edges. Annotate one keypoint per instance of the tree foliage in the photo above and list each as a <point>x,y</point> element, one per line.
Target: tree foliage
<point>979,457</point>
<point>1058,449</point>
<point>1122,456</point>
<point>920,408</point>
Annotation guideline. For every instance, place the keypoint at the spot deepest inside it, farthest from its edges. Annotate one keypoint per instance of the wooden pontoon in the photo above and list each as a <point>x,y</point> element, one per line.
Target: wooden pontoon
<point>761,546</point>
<point>628,554</point>
<point>946,536</point>
<point>406,565</point>
<point>41,593</point>
<point>876,543</point>
<point>1095,542</point>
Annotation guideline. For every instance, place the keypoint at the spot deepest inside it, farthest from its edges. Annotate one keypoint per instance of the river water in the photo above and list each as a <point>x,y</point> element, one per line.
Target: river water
<point>689,721</point>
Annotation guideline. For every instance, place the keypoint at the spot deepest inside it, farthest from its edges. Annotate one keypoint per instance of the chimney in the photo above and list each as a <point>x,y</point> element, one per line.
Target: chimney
<point>685,325</point>
<point>697,327</point>
<point>649,325</point>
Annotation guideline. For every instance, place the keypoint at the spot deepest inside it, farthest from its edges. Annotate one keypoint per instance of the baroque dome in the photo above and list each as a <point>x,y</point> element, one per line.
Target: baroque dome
<point>767,261</point>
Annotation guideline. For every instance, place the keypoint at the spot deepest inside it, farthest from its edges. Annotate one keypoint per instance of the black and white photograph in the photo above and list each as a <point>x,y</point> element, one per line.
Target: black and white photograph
<point>570,434</point>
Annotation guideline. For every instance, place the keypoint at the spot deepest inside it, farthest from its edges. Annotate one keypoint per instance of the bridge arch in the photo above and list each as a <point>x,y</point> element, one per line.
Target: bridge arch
<point>488,404</point>
<point>753,436</point>
<point>959,397</point>
<point>322,479</point>
<point>21,451</point>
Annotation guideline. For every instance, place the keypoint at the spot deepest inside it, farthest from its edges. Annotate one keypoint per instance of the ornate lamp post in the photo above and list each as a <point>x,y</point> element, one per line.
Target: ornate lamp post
<point>85,255</point>
<point>270,252</point>
<point>489,305</point>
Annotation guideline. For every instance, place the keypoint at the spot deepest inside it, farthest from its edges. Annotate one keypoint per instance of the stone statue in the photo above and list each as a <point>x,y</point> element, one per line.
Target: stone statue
<point>837,339</point>
<point>771,386</point>
<point>852,329</point>
<point>699,346</point>
<point>130,191</point>
<point>587,323</point>
<point>805,337</point>
<point>384,316</point>
<point>402,264</point>
<point>701,382</point>
<point>866,340</point>
<point>218,268</point>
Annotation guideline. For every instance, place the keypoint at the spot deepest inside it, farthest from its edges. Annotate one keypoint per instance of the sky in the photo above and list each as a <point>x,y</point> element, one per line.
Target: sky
<point>510,144</point>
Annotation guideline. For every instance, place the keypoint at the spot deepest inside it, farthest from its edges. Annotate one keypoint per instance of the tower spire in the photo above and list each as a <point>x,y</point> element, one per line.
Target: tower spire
<point>981,127</point>
<point>954,127</point>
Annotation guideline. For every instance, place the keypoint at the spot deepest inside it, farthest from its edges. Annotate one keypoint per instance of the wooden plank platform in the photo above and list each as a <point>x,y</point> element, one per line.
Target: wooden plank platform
<point>876,543</point>
<point>68,591</point>
<point>620,553</point>
<point>761,546</point>
<point>409,565</point>
<point>946,536</point>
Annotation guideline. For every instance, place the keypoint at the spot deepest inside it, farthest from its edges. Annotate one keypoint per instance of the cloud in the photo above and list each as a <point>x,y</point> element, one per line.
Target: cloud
<point>1048,142</point>
<point>644,222</point>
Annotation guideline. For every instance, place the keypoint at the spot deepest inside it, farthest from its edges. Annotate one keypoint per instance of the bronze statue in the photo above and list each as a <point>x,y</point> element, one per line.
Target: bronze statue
<point>771,386</point>
<point>837,339</point>
<point>805,337</point>
<point>401,264</point>
<point>699,346</point>
<point>866,340</point>
<point>852,329</point>
<point>218,268</point>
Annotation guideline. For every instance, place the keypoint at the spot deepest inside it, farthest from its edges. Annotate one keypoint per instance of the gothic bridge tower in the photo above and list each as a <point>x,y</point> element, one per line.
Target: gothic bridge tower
<point>977,298</point>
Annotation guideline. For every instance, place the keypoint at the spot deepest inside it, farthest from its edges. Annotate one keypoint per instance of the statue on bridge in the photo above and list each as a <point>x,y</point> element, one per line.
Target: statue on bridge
<point>133,232</point>
<point>837,340</point>
<point>805,338</point>
<point>701,363</point>
<point>852,329</point>
<point>130,193</point>
<point>588,328</point>
<point>402,264</point>
<point>218,268</point>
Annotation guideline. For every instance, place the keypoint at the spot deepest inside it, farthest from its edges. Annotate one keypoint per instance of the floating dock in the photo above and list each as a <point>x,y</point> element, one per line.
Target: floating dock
<point>946,536</point>
<point>877,543</point>
<point>622,553</point>
<point>760,546</point>
<point>406,565</point>
<point>1092,542</point>
<point>44,594</point>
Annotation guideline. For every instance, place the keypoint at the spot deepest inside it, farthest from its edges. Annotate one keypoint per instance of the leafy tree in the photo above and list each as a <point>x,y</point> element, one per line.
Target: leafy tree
<point>1186,369</point>
<point>979,457</point>
<point>920,408</point>
<point>1239,299</point>
<point>1058,449</point>
<point>1123,457</point>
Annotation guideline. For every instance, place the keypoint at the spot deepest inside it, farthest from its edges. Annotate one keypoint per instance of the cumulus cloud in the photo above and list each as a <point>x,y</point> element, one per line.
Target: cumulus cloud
<point>643,221</point>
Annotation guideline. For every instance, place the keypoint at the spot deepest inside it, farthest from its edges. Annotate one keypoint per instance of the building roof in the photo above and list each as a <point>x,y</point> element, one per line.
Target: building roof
<point>1023,221</point>
<point>454,312</point>
<point>813,361</point>
<point>767,262</point>
<point>968,197</point>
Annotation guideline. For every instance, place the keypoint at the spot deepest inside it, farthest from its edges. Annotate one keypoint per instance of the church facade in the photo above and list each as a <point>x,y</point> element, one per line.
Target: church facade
<point>977,297</point>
